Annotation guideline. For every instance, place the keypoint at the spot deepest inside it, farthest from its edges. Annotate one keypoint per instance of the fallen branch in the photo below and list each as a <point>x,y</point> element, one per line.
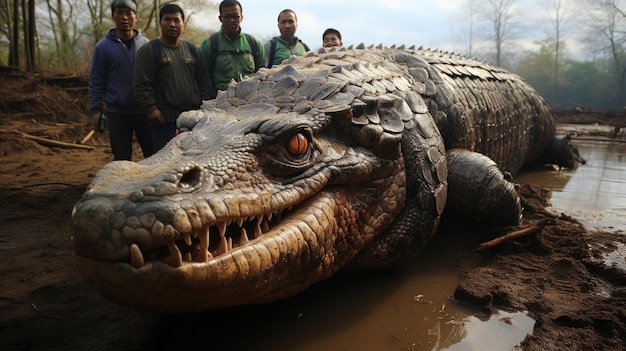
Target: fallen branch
<point>50,142</point>
<point>87,137</point>
<point>47,315</point>
<point>43,184</point>
<point>47,125</point>
<point>512,235</point>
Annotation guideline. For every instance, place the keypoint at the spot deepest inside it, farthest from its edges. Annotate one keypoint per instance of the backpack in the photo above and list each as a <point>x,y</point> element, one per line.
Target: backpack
<point>273,51</point>
<point>215,44</point>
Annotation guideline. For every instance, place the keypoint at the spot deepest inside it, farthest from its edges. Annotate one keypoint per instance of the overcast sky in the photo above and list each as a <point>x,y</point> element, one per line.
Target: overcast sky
<point>409,22</point>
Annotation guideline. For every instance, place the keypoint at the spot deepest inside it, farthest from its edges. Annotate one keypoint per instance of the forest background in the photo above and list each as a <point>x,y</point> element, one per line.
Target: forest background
<point>573,52</point>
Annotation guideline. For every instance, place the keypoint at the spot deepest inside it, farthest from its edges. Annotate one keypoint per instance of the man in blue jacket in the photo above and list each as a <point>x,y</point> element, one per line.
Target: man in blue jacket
<point>111,83</point>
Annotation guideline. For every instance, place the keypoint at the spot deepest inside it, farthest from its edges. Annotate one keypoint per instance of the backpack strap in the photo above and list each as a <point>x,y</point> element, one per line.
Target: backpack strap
<point>192,49</point>
<point>255,50</point>
<point>305,46</point>
<point>158,90</point>
<point>272,53</point>
<point>214,41</point>
<point>156,50</point>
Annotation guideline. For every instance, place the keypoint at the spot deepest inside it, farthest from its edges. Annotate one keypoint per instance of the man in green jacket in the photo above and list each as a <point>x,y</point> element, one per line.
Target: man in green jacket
<point>231,54</point>
<point>287,44</point>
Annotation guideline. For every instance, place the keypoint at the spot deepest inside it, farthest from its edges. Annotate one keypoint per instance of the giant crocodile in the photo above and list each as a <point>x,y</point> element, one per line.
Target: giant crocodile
<point>341,159</point>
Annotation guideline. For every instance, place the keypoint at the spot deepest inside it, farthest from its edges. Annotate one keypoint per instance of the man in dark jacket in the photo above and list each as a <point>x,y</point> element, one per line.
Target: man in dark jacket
<point>111,82</point>
<point>170,77</point>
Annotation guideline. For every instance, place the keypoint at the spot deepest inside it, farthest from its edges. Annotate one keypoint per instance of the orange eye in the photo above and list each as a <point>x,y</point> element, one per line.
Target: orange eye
<point>298,144</point>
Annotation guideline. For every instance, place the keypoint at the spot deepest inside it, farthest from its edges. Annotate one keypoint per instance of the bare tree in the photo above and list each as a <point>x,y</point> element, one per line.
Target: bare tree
<point>5,28</point>
<point>30,33</point>
<point>557,13</point>
<point>607,29</point>
<point>150,13</point>
<point>488,26</point>
<point>98,11</point>
<point>14,47</point>
<point>17,23</point>
<point>500,14</point>
<point>64,22</point>
<point>466,18</point>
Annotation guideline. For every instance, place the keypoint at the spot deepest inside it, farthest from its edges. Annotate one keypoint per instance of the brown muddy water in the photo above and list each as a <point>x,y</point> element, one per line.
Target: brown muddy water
<point>411,308</point>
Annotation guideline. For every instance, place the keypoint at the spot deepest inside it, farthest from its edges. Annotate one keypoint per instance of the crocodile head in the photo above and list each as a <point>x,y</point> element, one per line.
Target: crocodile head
<point>238,209</point>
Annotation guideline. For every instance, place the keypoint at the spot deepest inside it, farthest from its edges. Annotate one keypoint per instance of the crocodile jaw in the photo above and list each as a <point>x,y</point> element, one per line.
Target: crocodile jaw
<point>309,245</point>
<point>315,231</point>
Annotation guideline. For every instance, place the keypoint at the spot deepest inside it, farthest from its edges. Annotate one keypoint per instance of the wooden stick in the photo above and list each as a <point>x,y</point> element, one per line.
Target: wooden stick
<point>44,313</point>
<point>510,236</point>
<point>48,125</point>
<point>44,184</point>
<point>50,142</point>
<point>88,136</point>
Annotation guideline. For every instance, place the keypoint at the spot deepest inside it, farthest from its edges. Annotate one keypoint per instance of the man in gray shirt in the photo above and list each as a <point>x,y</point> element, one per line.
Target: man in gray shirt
<point>170,76</point>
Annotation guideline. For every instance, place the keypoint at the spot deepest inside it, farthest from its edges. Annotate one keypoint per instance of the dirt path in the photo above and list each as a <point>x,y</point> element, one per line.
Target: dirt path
<point>578,303</point>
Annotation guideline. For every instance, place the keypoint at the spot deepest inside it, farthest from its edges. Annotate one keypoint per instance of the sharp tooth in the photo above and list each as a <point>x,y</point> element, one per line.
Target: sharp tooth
<point>269,216</point>
<point>230,244</point>
<point>240,221</point>
<point>257,231</point>
<point>266,227</point>
<point>223,248</point>
<point>136,257</point>
<point>221,226</point>
<point>187,239</point>
<point>243,239</point>
<point>203,248</point>
<point>188,257</point>
<point>175,259</point>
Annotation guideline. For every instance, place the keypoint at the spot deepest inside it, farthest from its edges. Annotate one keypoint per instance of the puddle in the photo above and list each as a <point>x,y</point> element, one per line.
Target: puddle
<point>502,331</point>
<point>617,257</point>
<point>595,193</point>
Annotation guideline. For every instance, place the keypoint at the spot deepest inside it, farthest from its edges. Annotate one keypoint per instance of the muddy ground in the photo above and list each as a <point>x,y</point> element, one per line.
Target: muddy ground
<point>555,274</point>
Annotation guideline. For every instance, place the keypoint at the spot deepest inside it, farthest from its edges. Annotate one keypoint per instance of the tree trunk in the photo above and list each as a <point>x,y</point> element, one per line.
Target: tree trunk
<point>32,34</point>
<point>14,50</point>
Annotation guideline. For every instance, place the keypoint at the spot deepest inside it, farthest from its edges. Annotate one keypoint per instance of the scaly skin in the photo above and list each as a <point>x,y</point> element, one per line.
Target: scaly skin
<point>331,161</point>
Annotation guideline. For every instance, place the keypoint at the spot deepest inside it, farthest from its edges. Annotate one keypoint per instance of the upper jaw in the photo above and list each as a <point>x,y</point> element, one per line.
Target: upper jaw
<point>207,243</point>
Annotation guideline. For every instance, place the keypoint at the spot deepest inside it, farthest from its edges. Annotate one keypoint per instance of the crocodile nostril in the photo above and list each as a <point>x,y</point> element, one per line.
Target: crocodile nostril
<point>191,178</point>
